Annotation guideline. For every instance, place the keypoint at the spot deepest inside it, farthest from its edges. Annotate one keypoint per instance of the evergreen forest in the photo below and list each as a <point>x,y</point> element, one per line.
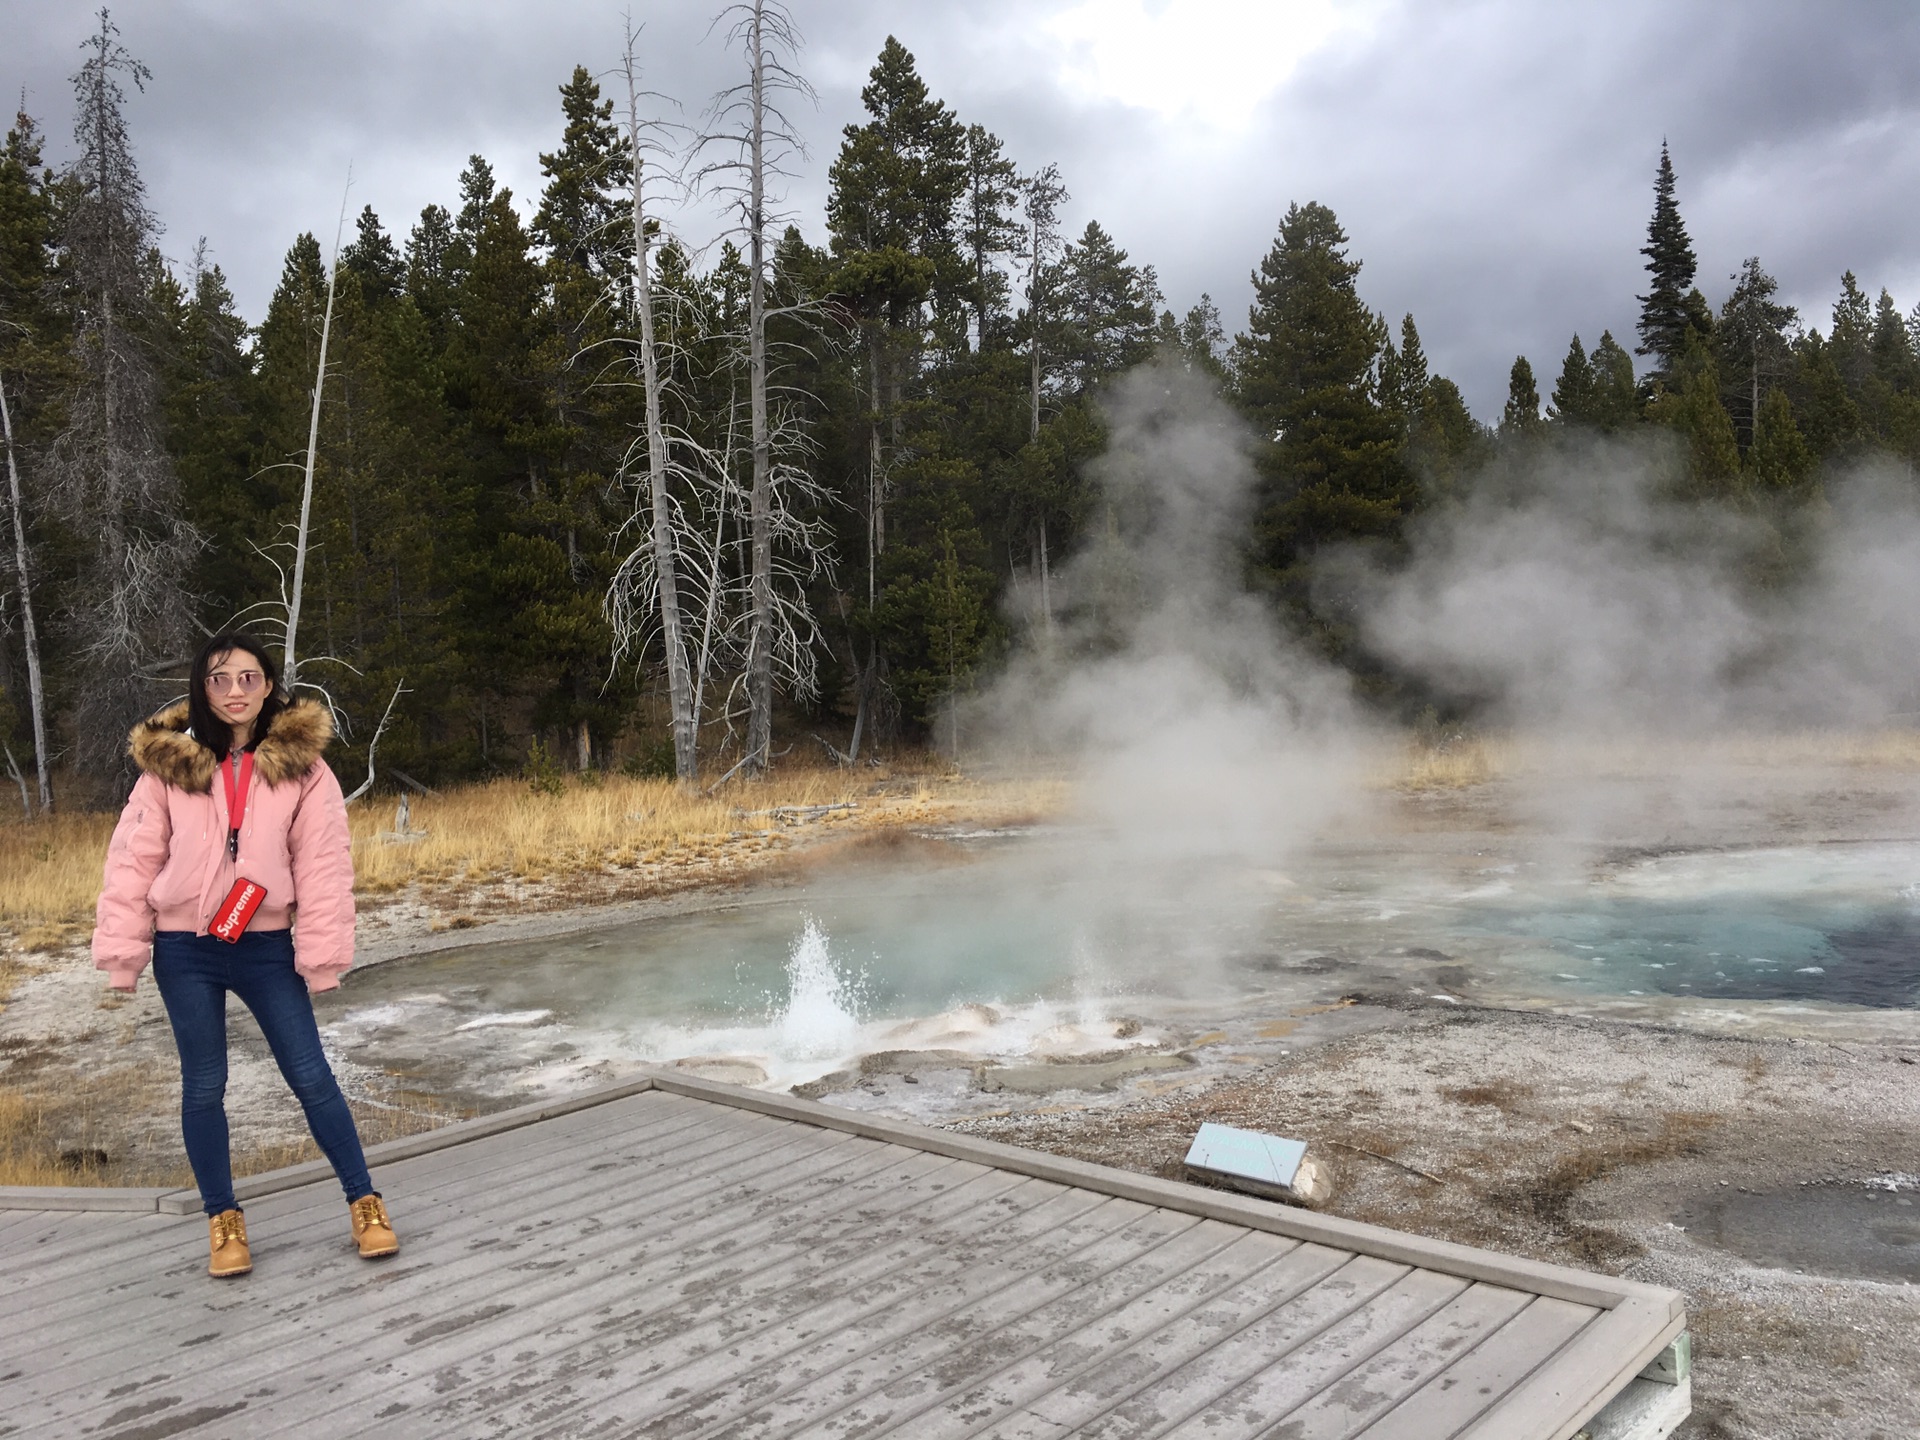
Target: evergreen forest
<point>577,491</point>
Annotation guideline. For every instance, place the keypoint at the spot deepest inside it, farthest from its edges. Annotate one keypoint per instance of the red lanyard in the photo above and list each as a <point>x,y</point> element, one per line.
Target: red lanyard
<point>236,796</point>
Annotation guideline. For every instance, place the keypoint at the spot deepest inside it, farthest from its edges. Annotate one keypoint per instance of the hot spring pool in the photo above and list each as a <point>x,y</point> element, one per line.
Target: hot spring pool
<point>1018,955</point>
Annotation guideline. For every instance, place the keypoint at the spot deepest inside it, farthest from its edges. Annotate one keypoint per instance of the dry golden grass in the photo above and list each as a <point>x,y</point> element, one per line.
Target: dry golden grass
<point>50,874</point>
<point>26,1149</point>
<point>34,1152</point>
<point>1461,761</point>
<point>505,831</point>
<point>1452,764</point>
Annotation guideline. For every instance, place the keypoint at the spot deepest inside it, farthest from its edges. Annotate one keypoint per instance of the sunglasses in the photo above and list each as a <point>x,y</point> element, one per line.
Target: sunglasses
<point>247,682</point>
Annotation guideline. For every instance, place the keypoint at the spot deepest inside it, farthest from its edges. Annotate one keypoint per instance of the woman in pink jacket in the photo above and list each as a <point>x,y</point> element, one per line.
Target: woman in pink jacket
<point>236,809</point>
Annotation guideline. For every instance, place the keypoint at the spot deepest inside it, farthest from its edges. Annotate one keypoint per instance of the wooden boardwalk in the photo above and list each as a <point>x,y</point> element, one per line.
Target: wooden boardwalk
<point>677,1258</point>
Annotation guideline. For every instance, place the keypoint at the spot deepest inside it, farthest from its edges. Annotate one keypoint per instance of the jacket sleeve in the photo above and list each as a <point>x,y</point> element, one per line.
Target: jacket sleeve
<point>123,918</point>
<point>322,853</point>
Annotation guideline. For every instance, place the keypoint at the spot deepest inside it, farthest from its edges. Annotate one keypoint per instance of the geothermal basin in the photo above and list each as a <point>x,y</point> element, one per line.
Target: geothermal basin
<point>1007,952</point>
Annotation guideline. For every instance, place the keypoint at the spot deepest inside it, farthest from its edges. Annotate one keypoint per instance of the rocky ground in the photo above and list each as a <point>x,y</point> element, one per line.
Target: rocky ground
<point>1775,1182</point>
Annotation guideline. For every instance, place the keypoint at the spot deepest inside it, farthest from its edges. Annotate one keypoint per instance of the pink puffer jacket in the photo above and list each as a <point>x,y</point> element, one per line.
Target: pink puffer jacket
<point>168,868</point>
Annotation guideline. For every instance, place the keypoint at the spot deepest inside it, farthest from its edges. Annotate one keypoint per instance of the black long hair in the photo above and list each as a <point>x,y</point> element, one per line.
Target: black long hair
<point>208,727</point>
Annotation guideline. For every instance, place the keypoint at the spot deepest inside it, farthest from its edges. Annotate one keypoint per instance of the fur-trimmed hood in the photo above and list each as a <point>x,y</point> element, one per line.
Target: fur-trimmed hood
<point>161,746</point>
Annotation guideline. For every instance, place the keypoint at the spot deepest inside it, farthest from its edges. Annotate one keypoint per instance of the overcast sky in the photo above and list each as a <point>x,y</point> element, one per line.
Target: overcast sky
<point>1491,160</point>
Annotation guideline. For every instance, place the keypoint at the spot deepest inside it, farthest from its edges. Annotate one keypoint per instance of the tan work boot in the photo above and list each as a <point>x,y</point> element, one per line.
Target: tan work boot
<point>227,1239</point>
<point>372,1230</point>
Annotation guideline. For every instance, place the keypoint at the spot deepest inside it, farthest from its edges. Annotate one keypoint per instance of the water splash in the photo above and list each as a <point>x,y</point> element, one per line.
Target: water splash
<point>821,1018</point>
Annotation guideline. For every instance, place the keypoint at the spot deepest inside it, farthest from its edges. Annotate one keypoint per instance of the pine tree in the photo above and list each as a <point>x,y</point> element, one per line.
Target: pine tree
<point>1779,460</point>
<point>1666,317</point>
<point>1573,402</point>
<point>897,187</point>
<point>1616,401</point>
<point>109,466</point>
<point>1108,308</point>
<point>32,372</point>
<point>1520,420</point>
<point>431,275</point>
<point>1197,341</point>
<point>373,257</point>
<point>1414,373</point>
<point>1850,343</point>
<point>212,418</point>
<point>1447,444</point>
<point>1693,409</point>
<point>1304,372</point>
<point>893,209</point>
<point>588,256</point>
<point>1826,411</point>
<point>1753,345</point>
<point>1894,361</point>
<point>990,229</point>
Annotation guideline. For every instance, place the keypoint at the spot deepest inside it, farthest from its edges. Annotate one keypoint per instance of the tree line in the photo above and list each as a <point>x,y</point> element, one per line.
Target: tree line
<point>564,488</point>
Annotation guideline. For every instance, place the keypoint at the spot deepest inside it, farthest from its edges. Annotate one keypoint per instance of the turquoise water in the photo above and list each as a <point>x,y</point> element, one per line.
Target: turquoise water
<point>1834,923</point>
<point>1018,954</point>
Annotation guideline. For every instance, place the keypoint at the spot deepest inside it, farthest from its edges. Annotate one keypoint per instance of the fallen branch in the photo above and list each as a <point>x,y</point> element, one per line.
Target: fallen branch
<point>13,769</point>
<point>798,812</point>
<point>730,774</point>
<point>840,757</point>
<point>374,744</point>
<point>411,783</point>
<point>1410,1169</point>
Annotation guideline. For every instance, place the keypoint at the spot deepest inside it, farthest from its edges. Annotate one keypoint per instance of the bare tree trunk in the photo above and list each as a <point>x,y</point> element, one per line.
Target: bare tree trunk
<point>290,664</point>
<point>876,475</point>
<point>582,747</point>
<point>760,632</point>
<point>36,692</point>
<point>666,570</point>
<point>1044,196</point>
<point>1046,579</point>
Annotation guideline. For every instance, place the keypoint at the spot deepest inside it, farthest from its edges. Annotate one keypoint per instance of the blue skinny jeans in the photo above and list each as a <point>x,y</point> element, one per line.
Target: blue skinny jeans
<point>195,974</point>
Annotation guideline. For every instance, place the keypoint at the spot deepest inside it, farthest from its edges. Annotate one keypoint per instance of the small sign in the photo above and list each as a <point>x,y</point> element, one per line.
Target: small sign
<point>1247,1155</point>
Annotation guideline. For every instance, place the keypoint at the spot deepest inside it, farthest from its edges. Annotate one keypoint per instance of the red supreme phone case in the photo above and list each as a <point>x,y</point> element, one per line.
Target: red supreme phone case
<point>236,911</point>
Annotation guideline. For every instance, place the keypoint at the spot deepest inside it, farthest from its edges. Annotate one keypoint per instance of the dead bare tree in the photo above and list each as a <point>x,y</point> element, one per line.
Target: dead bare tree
<point>662,572</point>
<point>373,745</point>
<point>1044,194</point>
<point>799,556</point>
<point>107,468</point>
<point>290,664</point>
<point>745,121</point>
<point>36,689</point>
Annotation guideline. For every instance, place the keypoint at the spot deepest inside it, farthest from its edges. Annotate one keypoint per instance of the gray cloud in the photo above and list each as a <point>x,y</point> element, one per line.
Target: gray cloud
<point>1492,161</point>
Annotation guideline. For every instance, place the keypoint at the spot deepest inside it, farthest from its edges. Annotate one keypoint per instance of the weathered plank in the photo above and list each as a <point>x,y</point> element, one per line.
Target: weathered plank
<point>1304,1290</point>
<point>705,1392</point>
<point>1596,1364</point>
<point>672,1260</point>
<point>281,1225</point>
<point>694,1260</point>
<point>1278,1387</point>
<point>897,1364</point>
<point>1475,1382</point>
<point>562,1142</point>
<point>1088,1336</point>
<point>278,1321</point>
<point>1360,1394</point>
<point>1408,1249</point>
<point>125,1199</point>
